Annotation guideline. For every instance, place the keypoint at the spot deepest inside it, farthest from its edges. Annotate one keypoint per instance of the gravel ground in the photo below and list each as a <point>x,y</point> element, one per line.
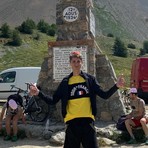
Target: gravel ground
<point>26,143</point>
<point>38,143</point>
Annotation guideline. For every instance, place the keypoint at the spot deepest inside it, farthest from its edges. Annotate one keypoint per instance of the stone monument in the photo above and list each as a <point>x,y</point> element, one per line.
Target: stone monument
<point>76,31</point>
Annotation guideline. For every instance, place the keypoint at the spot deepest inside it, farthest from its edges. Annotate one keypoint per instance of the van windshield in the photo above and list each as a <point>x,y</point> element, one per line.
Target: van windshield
<point>7,77</point>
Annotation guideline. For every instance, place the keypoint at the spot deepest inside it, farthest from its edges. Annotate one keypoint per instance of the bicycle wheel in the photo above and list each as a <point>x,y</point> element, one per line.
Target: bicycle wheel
<point>42,112</point>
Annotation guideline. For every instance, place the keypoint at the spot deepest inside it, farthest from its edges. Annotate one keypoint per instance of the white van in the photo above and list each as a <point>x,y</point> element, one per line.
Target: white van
<point>17,76</point>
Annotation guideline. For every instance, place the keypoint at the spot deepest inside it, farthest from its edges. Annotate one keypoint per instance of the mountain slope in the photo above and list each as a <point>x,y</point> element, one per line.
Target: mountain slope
<point>131,14</point>
<point>14,12</point>
<point>127,18</point>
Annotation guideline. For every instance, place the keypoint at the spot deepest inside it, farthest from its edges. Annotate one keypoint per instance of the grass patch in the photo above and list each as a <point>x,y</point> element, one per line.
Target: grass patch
<point>121,65</point>
<point>30,53</point>
<point>108,24</point>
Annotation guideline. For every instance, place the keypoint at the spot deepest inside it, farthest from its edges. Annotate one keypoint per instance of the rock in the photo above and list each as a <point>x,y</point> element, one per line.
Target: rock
<point>105,142</point>
<point>105,116</point>
<point>55,132</point>
<point>47,134</point>
<point>58,138</point>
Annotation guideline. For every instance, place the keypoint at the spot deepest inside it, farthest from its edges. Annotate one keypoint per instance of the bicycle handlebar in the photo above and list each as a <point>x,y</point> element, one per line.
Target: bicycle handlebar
<point>19,89</point>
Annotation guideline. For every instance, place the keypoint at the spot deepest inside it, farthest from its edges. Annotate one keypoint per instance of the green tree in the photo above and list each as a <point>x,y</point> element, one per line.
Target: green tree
<point>16,39</point>
<point>119,48</point>
<point>131,45</point>
<point>5,31</point>
<point>43,26</point>
<point>27,26</point>
<point>51,32</point>
<point>54,26</point>
<point>145,46</point>
<point>110,35</point>
<point>142,52</point>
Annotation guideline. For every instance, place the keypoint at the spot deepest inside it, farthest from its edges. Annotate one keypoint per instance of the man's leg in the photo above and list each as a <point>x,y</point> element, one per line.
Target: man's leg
<point>8,127</point>
<point>72,138</point>
<point>15,125</point>
<point>129,124</point>
<point>143,122</point>
<point>89,139</point>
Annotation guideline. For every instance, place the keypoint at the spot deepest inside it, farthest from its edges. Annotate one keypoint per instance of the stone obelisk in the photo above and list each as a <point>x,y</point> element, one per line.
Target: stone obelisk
<point>76,31</point>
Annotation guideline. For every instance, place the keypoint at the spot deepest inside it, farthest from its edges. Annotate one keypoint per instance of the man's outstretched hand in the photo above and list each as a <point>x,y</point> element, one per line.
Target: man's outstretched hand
<point>34,91</point>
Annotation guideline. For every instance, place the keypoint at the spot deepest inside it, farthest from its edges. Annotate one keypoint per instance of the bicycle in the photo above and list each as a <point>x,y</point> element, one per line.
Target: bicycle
<point>36,108</point>
<point>126,98</point>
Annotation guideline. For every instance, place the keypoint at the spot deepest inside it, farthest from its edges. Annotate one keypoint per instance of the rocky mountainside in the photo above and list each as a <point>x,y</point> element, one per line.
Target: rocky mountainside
<point>14,12</point>
<point>112,16</point>
<point>132,15</point>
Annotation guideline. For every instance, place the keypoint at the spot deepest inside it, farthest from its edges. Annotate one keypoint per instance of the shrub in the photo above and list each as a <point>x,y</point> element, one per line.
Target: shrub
<point>43,26</point>
<point>54,26</point>
<point>51,32</point>
<point>27,26</point>
<point>131,45</point>
<point>142,52</point>
<point>110,35</point>
<point>119,49</point>
<point>145,46</point>
<point>16,40</point>
<point>5,31</point>
<point>46,28</point>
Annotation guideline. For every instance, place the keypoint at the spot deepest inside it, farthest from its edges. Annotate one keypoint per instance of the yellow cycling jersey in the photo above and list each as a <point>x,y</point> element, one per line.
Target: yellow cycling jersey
<point>79,105</point>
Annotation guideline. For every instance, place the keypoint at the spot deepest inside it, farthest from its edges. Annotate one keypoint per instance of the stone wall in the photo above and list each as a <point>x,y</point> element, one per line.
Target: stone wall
<point>112,108</point>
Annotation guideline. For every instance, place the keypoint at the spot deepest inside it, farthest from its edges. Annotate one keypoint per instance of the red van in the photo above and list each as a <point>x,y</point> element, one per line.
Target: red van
<point>139,76</point>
